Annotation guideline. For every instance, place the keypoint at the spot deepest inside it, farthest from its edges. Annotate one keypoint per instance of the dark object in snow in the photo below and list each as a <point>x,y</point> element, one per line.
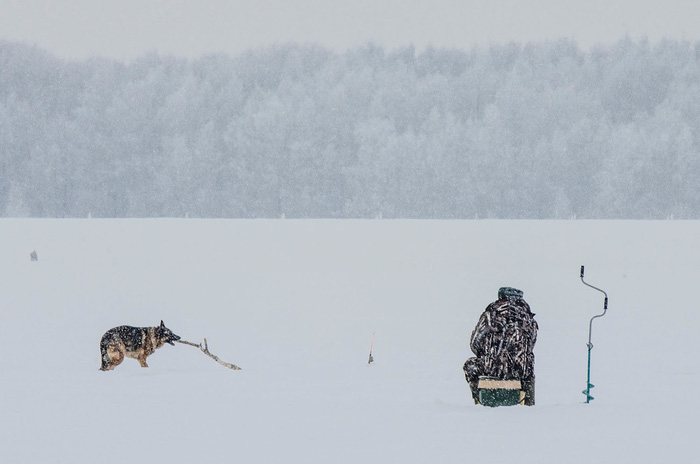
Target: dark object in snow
<point>205,350</point>
<point>496,392</point>
<point>371,359</point>
<point>503,342</point>
<point>133,342</point>
<point>33,256</point>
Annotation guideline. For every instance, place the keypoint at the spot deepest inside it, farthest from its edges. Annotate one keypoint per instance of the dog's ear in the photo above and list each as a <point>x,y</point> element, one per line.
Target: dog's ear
<point>161,323</point>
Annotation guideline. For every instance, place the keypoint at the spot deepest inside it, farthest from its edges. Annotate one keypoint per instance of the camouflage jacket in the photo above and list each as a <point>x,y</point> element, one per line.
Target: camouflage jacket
<point>504,338</point>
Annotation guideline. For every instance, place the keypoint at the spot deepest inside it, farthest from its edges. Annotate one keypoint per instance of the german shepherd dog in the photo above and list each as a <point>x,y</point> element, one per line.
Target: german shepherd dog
<point>133,342</point>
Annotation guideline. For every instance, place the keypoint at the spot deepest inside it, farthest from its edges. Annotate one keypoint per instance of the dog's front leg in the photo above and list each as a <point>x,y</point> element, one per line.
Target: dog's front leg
<point>142,361</point>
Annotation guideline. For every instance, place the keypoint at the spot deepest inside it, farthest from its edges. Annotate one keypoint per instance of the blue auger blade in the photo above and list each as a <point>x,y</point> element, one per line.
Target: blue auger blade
<point>588,393</point>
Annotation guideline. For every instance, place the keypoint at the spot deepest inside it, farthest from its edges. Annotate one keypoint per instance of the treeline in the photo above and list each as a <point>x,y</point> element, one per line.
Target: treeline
<point>540,130</point>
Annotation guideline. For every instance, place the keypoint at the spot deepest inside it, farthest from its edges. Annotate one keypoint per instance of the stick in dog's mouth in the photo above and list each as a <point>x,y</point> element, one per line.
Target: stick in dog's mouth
<point>185,342</point>
<point>205,349</point>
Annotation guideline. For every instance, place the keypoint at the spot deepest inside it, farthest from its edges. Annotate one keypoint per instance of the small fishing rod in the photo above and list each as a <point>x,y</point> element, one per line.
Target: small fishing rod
<point>589,385</point>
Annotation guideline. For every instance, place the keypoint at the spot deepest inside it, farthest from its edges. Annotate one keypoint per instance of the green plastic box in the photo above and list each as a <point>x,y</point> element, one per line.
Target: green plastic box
<point>498,392</point>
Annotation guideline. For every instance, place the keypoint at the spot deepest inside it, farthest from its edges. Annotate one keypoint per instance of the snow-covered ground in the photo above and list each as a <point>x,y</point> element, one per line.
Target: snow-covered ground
<point>295,303</point>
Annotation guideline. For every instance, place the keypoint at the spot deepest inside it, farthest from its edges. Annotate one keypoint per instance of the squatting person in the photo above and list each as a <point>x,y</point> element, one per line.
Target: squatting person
<point>503,342</point>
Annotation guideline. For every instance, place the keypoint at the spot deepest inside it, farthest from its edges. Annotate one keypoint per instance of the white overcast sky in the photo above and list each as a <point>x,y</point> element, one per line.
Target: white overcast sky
<point>125,29</point>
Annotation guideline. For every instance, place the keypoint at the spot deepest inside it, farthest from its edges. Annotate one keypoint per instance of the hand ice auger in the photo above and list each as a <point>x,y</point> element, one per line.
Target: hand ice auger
<point>589,385</point>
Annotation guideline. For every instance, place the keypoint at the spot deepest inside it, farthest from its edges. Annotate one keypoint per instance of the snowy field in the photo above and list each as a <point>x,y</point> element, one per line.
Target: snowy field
<point>295,303</point>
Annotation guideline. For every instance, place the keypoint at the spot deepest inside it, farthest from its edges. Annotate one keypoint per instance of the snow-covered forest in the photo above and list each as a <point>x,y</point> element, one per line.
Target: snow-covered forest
<point>537,130</point>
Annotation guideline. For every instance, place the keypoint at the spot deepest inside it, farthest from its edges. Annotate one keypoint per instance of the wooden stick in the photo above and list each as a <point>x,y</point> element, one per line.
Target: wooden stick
<point>205,350</point>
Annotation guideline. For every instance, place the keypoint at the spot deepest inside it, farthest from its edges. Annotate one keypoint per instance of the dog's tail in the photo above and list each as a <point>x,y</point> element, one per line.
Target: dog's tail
<point>104,356</point>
